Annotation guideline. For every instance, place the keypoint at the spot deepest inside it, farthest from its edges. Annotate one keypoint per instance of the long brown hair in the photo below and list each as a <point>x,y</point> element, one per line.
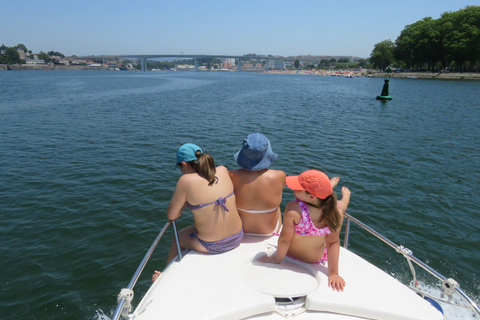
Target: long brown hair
<point>205,166</point>
<point>330,212</point>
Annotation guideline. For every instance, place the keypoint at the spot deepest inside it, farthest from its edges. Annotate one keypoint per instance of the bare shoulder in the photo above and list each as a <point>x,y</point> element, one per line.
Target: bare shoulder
<point>187,178</point>
<point>221,169</point>
<point>184,182</point>
<point>292,210</point>
<point>291,216</point>
<point>292,205</point>
<point>276,174</point>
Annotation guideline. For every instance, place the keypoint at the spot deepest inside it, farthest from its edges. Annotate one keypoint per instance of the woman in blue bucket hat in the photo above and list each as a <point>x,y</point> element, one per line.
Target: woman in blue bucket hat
<point>258,189</point>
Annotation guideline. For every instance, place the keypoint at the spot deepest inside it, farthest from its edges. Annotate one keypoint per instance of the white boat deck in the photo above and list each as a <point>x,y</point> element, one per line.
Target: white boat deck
<point>233,286</point>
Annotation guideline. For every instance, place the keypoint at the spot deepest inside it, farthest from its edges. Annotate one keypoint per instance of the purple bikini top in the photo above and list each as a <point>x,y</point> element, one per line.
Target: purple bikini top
<point>219,202</point>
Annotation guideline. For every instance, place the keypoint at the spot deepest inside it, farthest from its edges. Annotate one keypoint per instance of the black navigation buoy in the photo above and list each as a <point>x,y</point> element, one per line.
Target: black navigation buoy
<point>384,95</point>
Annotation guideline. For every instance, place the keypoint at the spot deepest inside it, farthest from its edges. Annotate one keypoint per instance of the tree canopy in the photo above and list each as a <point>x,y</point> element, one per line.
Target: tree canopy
<point>55,54</point>
<point>452,41</point>
<point>382,54</point>
<point>22,46</point>
<point>45,57</point>
<point>11,56</point>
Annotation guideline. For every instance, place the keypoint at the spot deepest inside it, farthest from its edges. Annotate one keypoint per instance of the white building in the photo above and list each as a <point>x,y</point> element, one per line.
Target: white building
<point>35,61</point>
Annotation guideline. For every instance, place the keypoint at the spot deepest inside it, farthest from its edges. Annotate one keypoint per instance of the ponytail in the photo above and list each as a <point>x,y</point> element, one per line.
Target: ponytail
<point>330,212</point>
<point>205,166</point>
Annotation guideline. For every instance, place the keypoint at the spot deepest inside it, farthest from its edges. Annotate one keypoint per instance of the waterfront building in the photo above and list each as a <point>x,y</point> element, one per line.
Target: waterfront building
<point>35,61</point>
<point>21,53</point>
<point>276,65</point>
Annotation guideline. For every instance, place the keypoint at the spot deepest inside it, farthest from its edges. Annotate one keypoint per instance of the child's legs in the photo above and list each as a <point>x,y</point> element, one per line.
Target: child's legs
<point>185,242</point>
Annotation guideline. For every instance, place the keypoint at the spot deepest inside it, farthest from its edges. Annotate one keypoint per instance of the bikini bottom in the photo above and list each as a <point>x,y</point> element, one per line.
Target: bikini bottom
<point>220,246</point>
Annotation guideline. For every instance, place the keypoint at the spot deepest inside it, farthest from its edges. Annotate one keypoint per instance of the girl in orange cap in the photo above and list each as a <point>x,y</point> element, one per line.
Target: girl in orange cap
<point>312,223</point>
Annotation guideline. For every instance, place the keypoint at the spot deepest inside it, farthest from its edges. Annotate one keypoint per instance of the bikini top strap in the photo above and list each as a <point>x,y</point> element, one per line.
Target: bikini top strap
<point>219,202</point>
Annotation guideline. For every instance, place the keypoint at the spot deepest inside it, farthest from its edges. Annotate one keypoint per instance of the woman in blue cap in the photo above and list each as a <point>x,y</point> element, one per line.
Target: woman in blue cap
<point>258,189</point>
<point>208,192</point>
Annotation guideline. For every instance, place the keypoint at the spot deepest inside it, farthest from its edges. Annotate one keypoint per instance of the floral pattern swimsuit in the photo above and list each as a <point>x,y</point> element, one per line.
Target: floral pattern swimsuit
<point>306,227</point>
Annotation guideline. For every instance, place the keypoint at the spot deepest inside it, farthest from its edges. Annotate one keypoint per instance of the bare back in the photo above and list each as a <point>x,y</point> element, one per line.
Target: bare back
<point>259,191</point>
<point>212,221</point>
<point>308,248</point>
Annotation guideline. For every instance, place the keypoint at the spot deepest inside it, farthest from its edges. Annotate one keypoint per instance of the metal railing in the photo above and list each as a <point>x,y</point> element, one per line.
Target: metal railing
<point>449,285</point>
<point>126,294</point>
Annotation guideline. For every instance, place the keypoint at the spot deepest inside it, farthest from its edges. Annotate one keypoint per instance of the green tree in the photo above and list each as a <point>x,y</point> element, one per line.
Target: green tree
<point>461,36</point>
<point>451,41</point>
<point>419,44</point>
<point>344,60</point>
<point>22,46</point>
<point>362,62</point>
<point>382,54</point>
<point>43,56</point>
<point>11,56</point>
<point>333,60</point>
<point>55,53</point>
<point>296,64</point>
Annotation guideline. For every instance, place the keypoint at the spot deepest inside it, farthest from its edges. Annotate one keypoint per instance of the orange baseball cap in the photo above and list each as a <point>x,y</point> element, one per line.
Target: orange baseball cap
<point>313,181</point>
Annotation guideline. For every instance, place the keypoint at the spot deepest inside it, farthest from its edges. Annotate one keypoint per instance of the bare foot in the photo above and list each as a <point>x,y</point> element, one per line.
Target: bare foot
<point>155,275</point>
<point>345,192</point>
<point>334,181</point>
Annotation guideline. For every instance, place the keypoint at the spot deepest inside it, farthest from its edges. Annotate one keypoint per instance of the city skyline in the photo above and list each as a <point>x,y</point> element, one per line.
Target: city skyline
<point>285,28</point>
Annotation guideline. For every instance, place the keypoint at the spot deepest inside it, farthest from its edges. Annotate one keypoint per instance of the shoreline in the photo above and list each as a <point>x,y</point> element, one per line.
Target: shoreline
<point>404,75</point>
<point>46,67</point>
<point>429,75</point>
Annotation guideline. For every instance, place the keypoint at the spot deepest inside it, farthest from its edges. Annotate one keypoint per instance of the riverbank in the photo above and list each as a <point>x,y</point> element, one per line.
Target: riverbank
<point>373,74</point>
<point>408,75</point>
<point>429,75</point>
<point>46,67</point>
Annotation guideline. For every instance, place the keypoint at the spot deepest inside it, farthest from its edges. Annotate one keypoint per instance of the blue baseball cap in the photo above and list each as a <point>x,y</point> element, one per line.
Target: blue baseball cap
<point>186,153</point>
<point>256,153</point>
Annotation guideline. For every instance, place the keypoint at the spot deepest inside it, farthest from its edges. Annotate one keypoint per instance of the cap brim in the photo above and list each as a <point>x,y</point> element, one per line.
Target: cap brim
<point>293,183</point>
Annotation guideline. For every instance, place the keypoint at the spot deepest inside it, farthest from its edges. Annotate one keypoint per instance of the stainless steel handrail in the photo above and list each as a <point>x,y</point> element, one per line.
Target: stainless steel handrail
<point>449,285</point>
<point>126,295</point>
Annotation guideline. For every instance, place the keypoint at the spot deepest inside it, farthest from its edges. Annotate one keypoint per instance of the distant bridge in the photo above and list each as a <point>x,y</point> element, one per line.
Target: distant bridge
<point>143,58</point>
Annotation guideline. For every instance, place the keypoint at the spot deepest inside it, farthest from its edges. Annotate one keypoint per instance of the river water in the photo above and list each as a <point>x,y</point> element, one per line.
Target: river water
<point>87,157</point>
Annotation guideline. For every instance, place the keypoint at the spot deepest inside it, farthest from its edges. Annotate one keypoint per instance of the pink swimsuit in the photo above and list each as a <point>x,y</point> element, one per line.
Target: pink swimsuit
<point>306,227</point>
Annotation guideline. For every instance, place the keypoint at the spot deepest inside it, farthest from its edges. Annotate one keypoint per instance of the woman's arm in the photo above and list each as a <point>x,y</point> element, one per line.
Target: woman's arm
<point>178,200</point>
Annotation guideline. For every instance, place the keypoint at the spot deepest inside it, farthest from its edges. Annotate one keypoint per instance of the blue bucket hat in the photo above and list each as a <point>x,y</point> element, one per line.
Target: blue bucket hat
<point>256,153</point>
<point>186,153</point>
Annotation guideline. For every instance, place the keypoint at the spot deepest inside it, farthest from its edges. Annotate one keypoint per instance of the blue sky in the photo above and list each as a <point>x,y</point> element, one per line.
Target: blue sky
<point>302,27</point>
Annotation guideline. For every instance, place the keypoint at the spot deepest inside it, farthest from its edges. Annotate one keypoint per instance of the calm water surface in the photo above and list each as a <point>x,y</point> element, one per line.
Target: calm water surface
<point>86,170</point>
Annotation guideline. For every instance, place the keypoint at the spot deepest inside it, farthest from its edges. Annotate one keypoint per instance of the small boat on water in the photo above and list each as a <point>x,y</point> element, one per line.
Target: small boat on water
<point>233,285</point>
